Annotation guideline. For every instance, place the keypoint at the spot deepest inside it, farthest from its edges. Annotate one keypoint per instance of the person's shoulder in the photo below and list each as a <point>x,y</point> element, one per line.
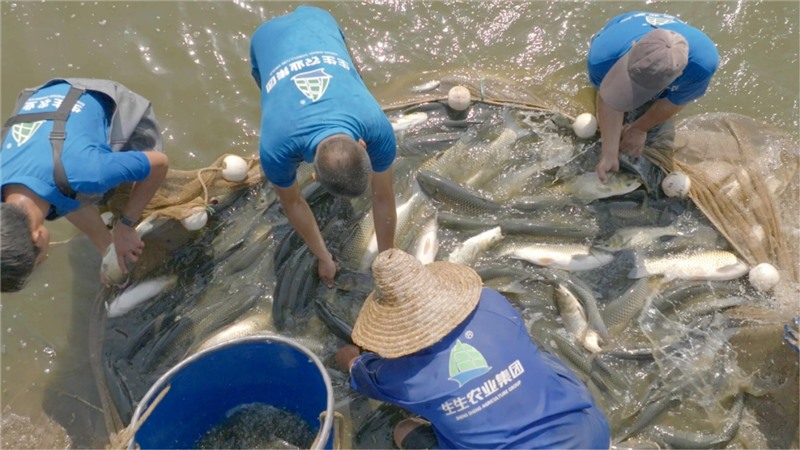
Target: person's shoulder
<point>492,300</point>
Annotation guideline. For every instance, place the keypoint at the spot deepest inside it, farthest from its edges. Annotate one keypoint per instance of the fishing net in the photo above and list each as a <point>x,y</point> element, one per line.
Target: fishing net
<point>740,170</point>
<point>183,192</point>
<point>744,178</point>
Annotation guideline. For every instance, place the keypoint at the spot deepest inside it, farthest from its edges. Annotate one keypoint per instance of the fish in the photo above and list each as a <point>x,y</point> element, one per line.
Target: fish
<point>406,121</point>
<point>199,324</point>
<point>468,250</point>
<point>454,195</point>
<point>460,123</point>
<point>680,439</point>
<point>484,163</point>
<point>628,211</point>
<point>405,223</point>
<point>620,311</point>
<point>680,291</point>
<point>508,185</point>
<point>713,305</point>
<point>337,324</point>
<point>427,244</point>
<point>257,247</point>
<point>639,237</point>
<point>138,294</point>
<point>292,280</point>
<point>514,226</point>
<point>587,187</point>
<point>257,323</point>
<point>567,256</point>
<point>427,145</point>
<point>586,365</point>
<point>584,295</point>
<point>463,162</point>
<point>646,416</point>
<point>425,87</point>
<point>574,318</point>
<point>718,265</point>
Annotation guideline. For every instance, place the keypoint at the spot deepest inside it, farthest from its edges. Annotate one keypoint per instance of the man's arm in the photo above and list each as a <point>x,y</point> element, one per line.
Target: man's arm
<point>87,219</point>
<point>635,134</point>
<point>384,211</point>
<point>127,242</point>
<point>302,219</point>
<point>345,357</point>
<point>610,122</point>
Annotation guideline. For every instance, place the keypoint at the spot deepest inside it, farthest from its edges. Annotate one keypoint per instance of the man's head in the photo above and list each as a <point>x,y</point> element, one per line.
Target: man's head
<point>414,306</point>
<point>342,166</point>
<point>651,64</point>
<point>20,247</point>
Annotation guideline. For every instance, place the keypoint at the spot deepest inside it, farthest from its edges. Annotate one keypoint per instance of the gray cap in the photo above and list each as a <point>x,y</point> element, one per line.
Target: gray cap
<point>647,68</point>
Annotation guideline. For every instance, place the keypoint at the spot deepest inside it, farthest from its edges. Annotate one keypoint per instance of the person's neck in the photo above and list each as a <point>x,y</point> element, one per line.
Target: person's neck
<point>36,207</point>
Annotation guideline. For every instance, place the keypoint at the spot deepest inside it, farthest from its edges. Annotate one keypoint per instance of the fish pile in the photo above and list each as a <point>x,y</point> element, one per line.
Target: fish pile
<point>628,287</point>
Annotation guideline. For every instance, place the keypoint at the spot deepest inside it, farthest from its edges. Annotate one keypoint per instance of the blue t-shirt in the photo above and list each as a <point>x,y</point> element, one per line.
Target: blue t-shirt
<point>487,385</point>
<point>616,38</point>
<point>90,164</point>
<point>310,89</point>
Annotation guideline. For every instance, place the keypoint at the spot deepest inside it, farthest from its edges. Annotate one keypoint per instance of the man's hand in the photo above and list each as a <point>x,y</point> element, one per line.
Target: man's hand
<point>345,356</point>
<point>606,164</point>
<point>632,140</point>
<point>327,270</point>
<point>128,245</point>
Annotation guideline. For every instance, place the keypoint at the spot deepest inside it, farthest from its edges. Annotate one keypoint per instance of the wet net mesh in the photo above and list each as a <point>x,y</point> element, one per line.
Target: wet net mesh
<point>745,180</point>
<point>740,170</point>
<point>183,192</point>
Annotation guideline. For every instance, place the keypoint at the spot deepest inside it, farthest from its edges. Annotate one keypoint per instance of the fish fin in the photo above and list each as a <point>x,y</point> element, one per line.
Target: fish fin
<point>735,268</point>
<point>639,271</point>
<point>509,121</point>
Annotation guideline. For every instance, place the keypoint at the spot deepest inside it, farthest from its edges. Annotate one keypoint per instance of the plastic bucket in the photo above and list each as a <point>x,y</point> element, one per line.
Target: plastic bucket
<point>204,387</point>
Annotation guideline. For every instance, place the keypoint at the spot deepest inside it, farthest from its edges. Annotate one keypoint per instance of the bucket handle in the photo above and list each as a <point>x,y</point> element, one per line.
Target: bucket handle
<point>121,440</point>
<point>338,423</point>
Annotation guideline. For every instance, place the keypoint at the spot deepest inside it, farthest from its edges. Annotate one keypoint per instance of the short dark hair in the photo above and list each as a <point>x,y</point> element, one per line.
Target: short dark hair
<point>342,166</point>
<point>17,250</point>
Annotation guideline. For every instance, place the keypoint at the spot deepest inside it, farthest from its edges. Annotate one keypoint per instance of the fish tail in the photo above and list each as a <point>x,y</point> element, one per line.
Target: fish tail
<point>510,122</point>
<point>639,270</point>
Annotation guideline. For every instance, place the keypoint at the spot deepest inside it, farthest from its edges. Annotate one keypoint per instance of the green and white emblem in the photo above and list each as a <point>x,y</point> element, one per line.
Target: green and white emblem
<point>21,132</point>
<point>312,84</point>
<point>466,363</point>
<point>659,20</point>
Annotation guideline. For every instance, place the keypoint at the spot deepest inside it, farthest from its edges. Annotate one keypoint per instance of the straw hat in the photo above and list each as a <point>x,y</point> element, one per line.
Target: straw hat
<point>413,305</point>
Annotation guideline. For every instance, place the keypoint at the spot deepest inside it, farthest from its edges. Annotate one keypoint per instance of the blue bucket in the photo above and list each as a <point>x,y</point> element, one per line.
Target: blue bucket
<point>208,385</point>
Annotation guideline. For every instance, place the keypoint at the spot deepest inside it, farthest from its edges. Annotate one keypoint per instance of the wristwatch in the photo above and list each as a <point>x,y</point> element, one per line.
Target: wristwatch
<point>125,220</point>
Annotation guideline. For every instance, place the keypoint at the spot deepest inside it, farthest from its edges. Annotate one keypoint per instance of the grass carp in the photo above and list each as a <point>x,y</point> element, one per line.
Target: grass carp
<point>716,265</point>
<point>570,256</point>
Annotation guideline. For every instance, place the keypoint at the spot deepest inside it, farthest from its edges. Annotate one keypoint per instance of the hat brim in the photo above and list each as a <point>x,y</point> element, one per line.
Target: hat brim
<point>424,318</point>
<point>620,92</point>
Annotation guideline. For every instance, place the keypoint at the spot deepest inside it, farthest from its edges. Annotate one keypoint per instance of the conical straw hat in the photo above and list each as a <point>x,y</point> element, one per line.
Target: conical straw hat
<point>413,305</point>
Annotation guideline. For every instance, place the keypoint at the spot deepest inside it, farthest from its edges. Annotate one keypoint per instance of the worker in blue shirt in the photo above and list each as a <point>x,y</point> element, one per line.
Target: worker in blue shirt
<point>66,146</point>
<point>638,57</point>
<point>458,355</point>
<point>316,108</point>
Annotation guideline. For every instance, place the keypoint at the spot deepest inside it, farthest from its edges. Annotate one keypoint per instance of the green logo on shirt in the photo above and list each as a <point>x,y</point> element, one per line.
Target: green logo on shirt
<point>466,363</point>
<point>21,132</point>
<point>312,84</point>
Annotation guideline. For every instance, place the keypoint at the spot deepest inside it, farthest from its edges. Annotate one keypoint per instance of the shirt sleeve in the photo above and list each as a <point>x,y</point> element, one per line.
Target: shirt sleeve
<point>381,144</point>
<point>280,171</point>
<point>116,168</point>
<point>254,67</point>
<point>694,87</point>
<point>363,376</point>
